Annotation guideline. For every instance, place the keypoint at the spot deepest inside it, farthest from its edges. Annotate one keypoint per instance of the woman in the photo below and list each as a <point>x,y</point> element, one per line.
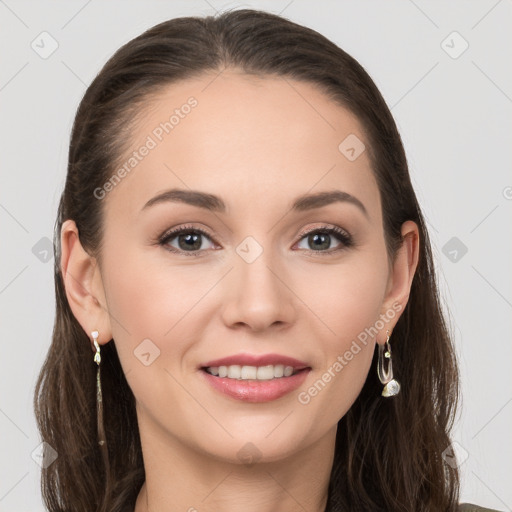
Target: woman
<point>240,245</point>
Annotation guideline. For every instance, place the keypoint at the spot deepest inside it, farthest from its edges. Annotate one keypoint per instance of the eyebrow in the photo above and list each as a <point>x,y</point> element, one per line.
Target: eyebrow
<point>216,204</point>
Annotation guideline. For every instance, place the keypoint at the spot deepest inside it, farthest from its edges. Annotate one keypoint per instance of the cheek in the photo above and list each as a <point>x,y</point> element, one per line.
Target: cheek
<point>347,301</point>
<point>149,304</point>
<point>158,312</point>
<point>345,298</point>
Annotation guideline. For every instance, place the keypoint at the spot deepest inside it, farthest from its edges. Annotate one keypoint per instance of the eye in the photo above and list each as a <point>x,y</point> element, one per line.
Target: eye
<point>320,239</point>
<point>189,240</point>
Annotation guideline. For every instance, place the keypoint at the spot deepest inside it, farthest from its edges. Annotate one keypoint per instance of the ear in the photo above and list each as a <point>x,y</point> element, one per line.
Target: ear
<point>83,285</point>
<point>401,275</point>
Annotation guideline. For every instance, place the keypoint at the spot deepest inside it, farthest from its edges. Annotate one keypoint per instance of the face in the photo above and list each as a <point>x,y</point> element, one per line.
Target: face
<point>259,275</point>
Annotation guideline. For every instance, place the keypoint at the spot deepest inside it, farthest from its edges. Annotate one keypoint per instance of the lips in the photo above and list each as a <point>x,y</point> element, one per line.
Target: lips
<point>255,391</point>
<point>256,360</point>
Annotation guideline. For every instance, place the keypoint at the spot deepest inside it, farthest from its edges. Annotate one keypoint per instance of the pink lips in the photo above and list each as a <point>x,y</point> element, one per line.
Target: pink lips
<point>253,390</point>
<point>255,360</point>
<point>256,390</point>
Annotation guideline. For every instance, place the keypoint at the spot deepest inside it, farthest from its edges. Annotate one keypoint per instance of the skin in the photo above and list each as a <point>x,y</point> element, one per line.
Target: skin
<point>258,143</point>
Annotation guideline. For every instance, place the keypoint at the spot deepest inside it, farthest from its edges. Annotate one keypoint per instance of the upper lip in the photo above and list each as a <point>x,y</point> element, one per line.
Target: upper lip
<point>256,360</point>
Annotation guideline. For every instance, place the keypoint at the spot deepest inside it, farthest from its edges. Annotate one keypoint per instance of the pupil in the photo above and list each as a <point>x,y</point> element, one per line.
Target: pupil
<point>316,241</point>
<point>191,241</point>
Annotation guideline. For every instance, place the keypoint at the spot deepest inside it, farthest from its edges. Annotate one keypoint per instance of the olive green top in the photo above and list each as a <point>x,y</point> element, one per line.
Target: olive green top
<point>469,507</point>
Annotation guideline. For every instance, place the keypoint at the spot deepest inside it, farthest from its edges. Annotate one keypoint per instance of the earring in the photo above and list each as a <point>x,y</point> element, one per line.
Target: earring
<point>99,397</point>
<point>392,386</point>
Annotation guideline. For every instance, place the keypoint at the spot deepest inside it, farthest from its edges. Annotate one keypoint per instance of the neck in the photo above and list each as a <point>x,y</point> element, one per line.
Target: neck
<point>181,479</point>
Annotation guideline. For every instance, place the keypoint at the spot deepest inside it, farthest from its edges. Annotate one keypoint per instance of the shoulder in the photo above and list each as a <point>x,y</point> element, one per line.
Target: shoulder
<point>470,507</point>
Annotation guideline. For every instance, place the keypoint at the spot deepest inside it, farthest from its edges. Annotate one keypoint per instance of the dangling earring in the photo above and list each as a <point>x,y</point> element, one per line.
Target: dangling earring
<point>392,386</point>
<point>99,397</point>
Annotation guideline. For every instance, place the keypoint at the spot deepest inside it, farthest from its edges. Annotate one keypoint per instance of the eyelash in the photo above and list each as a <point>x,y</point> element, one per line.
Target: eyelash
<point>342,236</point>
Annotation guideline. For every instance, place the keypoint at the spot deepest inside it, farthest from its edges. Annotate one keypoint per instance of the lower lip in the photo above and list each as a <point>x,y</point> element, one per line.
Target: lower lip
<point>256,390</point>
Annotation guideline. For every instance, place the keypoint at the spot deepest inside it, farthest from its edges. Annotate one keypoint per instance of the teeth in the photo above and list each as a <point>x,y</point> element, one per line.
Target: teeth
<point>236,371</point>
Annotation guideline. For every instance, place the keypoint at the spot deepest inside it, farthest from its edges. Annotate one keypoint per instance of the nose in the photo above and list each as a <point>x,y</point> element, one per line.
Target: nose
<point>258,296</point>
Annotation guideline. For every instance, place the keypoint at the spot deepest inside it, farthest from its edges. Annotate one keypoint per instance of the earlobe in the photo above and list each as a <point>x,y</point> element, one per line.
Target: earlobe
<point>83,284</point>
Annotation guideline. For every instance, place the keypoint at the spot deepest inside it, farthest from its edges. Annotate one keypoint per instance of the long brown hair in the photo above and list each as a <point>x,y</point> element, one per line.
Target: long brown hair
<point>388,454</point>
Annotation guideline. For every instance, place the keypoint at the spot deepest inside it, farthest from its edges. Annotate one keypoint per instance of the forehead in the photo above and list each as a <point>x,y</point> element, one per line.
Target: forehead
<point>243,137</point>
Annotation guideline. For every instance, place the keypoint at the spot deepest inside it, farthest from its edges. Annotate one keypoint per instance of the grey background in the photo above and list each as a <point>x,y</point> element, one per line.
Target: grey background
<point>454,115</point>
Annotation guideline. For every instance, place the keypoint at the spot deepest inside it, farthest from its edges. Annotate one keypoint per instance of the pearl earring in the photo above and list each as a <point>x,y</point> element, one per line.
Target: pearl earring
<point>391,385</point>
<point>99,397</point>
